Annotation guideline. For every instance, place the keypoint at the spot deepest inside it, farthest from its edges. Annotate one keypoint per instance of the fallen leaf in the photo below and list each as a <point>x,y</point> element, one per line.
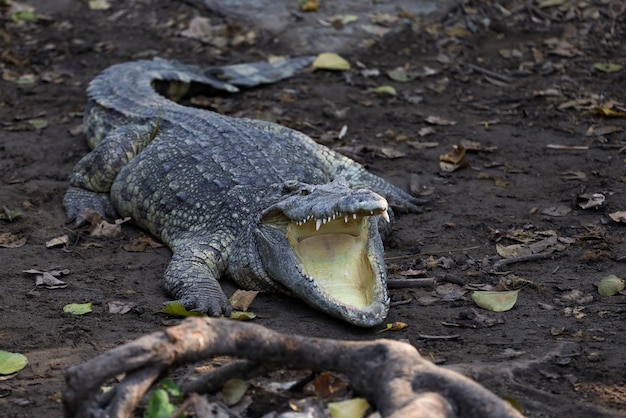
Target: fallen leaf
<point>607,67</point>
<point>618,216</point>
<point>610,285</point>
<point>119,307</point>
<point>512,251</point>
<point>233,391</point>
<point>556,211</point>
<point>241,299</point>
<point>141,243</point>
<point>108,230</point>
<point>328,385</point>
<point>588,201</point>
<point>436,120</point>
<point>609,113</point>
<point>242,316</point>
<point>330,61</point>
<point>176,309</point>
<point>392,152</point>
<point>11,362</point>
<point>454,156</point>
<point>78,308</point>
<point>309,5</point>
<point>8,240</point>
<point>99,5</point>
<point>62,240</point>
<point>49,281</point>
<point>159,405</point>
<point>9,214</point>
<point>351,408</point>
<point>495,301</point>
<point>385,90</point>
<point>396,326</point>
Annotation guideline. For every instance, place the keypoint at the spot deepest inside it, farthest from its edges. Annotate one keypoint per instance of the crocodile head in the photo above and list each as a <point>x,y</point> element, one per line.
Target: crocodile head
<point>321,243</point>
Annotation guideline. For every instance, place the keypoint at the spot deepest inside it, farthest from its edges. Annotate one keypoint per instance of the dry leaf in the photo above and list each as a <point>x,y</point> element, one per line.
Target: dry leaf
<point>141,243</point>
<point>588,201</point>
<point>8,240</point>
<point>618,216</point>
<point>242,299</point>
<point>436,120</point>
<point>454,156</point>
<point>108,230</point>
<point>62,240</point>
<point>328,385</point>
<point>119,307</point>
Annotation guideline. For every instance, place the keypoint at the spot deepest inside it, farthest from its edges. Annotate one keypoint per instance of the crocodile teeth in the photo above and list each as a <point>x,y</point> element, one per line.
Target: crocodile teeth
<point>318,223</point>
<point>385,215</point>
<point>345,219</point>
<point>354,216</point>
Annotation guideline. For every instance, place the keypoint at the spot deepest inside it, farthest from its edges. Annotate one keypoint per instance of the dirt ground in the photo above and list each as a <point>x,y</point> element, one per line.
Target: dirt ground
<point>514,78</point>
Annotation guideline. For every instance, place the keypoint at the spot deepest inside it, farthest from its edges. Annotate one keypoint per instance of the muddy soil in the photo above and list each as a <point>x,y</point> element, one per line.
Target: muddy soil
<point>517,84</point>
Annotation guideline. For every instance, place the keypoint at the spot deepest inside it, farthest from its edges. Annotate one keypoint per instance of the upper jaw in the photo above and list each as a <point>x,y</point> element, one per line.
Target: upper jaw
<point>326,250</point>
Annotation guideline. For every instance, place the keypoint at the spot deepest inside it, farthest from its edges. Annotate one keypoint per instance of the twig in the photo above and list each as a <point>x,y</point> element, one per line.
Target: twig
<point>521,259</point>
<point>490,73</point>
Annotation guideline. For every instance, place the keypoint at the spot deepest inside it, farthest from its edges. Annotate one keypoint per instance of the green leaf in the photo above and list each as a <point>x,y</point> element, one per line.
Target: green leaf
<point>610,285</point>
<point>495,301</point>
<point>171,387</point>
<point>607,67</point>
<point>176,309</point>
<point>24,15</point>
<point>78,308</point>
<point>351,408</point>
<point>390,90</point>
<point>233,391</point>
<point>11,362</point>
<point>159,405</point>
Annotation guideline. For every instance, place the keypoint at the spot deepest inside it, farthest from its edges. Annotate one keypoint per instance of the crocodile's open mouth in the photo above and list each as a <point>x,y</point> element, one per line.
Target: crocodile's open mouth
<point>333,253</point>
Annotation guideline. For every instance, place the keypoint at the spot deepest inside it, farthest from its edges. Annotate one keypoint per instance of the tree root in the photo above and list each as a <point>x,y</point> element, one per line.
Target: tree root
<point>390,374</point>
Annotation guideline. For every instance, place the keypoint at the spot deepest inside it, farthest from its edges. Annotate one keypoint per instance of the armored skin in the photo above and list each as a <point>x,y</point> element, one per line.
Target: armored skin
<point>251,200</point>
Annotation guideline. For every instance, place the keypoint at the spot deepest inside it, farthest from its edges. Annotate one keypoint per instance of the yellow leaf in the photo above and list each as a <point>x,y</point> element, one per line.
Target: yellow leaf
<point>11,362</point>
<point>77,308</point>
<point>351,408</point>
<point>309,5</point>
<point>610,285</point>
<point>495,301</point>
<point>233,391</point>
<point>242,316</point>
<point>389,90</point>
<point>607,67</point>
<point>609,113</point>
<point>330,61</point>
<point>396,326</point>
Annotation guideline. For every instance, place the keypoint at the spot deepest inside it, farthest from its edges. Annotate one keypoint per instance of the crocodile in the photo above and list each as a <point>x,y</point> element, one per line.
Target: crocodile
<point>254,201</point>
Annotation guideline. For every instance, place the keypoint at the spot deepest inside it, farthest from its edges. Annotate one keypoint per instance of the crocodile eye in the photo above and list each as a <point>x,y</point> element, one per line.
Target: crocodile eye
<point>304,192</point>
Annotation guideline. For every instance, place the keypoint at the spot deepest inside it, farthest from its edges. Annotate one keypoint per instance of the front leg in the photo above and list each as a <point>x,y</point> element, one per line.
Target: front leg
<point>93,175</point>
<point>192,277</point>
